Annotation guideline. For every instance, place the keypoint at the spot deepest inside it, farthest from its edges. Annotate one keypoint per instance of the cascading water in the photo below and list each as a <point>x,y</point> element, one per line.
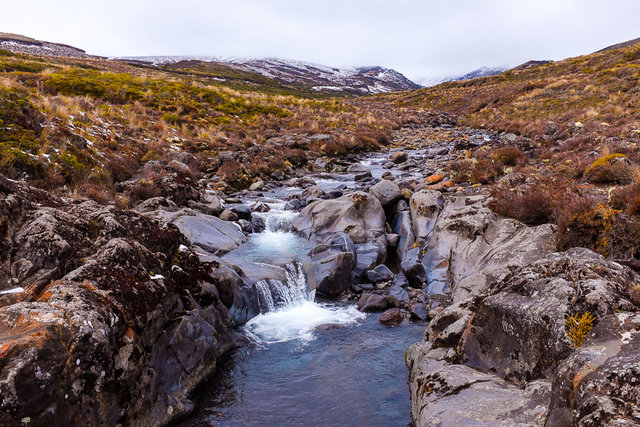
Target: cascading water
<point>287,307</point>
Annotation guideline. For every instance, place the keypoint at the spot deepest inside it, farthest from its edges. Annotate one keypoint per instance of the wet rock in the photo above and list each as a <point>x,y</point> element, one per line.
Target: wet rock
<point>245,225</point>
<point>322,219</point>
<point>386,192</point>
<point>368,255</point>
<point>293,205</point>
<point>243,211</point>
<point>260,207</point>
<point>419,311</point>
<point>313,193</point>
<point>358,168</point>
<point>402,226</point>
<point>329,270</point>
<point>393,316</point>
<point>257,224</point>
<point>388,176</point>
<point>228,215</point>
<point>400,280</point>
<point>397,296</point>
<point>381,273</point>
<point>210,233</point>
<point>425,207</point>
<point>369,302</point>
<point>399,157</point>
<point>413,269</point>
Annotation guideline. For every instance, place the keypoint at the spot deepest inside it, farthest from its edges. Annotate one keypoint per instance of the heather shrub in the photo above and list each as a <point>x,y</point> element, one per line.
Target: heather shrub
<point>532,207</point>
<point>609,169</point>
<point>508,156</point>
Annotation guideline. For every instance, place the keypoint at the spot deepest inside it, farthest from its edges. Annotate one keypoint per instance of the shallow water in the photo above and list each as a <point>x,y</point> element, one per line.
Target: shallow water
<point>349,376</point>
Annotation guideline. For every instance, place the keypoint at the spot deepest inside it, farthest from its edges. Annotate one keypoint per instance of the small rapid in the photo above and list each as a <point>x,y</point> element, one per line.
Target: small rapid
<point>288,308</point>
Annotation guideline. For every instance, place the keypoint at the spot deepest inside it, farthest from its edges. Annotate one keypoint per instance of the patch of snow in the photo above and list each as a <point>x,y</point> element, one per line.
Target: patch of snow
<point>12,291</point>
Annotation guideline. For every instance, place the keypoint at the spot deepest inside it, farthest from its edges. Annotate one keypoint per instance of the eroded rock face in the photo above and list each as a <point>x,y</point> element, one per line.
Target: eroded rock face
<point>471,246</point>
<point>116,324</point>
<point>504,357</point>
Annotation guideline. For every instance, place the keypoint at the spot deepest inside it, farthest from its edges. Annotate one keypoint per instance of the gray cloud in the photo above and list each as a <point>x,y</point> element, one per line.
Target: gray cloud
<point>423,39</point>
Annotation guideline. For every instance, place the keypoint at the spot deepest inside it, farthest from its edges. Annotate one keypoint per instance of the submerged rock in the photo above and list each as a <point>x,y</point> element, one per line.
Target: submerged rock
<point>372,302</point>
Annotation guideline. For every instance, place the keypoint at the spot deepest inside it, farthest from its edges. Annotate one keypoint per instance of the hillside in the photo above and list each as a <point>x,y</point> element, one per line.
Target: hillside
<point>574,125</point>
<point>85,126</point>
<point>21,44</point>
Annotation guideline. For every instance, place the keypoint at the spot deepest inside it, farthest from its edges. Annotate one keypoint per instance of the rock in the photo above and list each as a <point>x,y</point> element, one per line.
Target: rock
<point>392,316</point>
<point>392,240</point>
<point>433,179</point>
<point>425,207</point>
<point>512,340</point>
<point>388,176</point>
<point>245,225</point>
<point>257,186</point>
<point>470,247</point>
<point>112,325</point>
<point>260,207</point>
<point>371,302</point>
<point>313,193</point>
<point>329,270</point>
<point>400,280</point>
<point>386,192</point>
<point>228,215</point>
<point>243,211</point>
<point>156,203</point>
<point>322,219</point>
<point>293,205</point>
<point>397,296</point>
<point>278,175</point>
<point>210,233</point>
<point>368,255</point>
<point>257,224</point>
<point>420,312</point>
<point>381,273</point>
<point>399,157</point>
<point>402,226</point>
<point>358,168</point>
<point>412,269</point>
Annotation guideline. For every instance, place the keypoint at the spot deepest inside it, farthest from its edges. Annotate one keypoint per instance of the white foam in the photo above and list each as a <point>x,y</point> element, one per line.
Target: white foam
<point>299,321</point>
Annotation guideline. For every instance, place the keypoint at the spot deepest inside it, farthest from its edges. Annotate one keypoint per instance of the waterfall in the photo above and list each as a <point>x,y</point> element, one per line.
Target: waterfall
<point>276,294</point>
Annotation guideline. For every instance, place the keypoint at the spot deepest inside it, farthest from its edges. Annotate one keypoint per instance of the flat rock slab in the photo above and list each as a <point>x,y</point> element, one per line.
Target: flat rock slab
<point>210,233</point>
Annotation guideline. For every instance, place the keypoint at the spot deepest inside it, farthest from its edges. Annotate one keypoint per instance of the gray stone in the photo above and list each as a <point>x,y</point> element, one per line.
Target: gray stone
<point>380,273</point>
<point>387,192</point>
<point>425,207</point>
<point>210,233</point>
<point>329,270</point>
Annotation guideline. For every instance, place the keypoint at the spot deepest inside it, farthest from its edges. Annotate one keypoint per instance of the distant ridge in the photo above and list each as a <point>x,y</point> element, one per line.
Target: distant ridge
<point>316,77</point>
<point>620,45</point>
<point>21,44</point>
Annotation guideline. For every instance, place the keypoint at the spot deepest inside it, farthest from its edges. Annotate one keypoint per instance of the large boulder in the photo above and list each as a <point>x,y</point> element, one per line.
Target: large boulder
<point>387,192</point>
<point>358,214</point>
<point>425,207</point>
<point>210,233</point>
<point>329,267</point>
<point>505,356</point>
<point>118,321</point>
<point>402,226</point>
<point>471,246</point>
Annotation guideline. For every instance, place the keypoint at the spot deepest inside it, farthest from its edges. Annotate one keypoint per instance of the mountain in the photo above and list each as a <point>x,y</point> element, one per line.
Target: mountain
<point>21,44</point>
<point>316,77</point>
<point>481,72</point>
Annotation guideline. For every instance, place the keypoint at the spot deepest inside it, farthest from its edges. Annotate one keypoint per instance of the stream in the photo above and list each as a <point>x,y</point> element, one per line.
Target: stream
<point>310,362</point>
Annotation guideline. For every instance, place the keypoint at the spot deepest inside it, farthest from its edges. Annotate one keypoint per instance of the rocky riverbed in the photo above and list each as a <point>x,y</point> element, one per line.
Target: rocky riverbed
<point>115,317</point>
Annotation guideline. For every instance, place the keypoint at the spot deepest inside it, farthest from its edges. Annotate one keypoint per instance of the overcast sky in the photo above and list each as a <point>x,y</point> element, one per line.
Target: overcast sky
<point>422,39</point>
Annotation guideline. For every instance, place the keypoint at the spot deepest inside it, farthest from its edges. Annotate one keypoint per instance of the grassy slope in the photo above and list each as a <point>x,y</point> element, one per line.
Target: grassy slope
<point>580,126</point>
<point>89,124</point>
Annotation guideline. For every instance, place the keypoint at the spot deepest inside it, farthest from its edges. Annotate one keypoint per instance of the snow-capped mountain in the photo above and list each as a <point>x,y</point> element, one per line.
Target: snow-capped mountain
<point>362,80</point>
<point>482,72</point>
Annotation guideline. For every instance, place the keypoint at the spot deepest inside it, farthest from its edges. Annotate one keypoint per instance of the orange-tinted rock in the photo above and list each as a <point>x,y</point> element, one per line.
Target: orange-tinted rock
<point>433,179</point>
